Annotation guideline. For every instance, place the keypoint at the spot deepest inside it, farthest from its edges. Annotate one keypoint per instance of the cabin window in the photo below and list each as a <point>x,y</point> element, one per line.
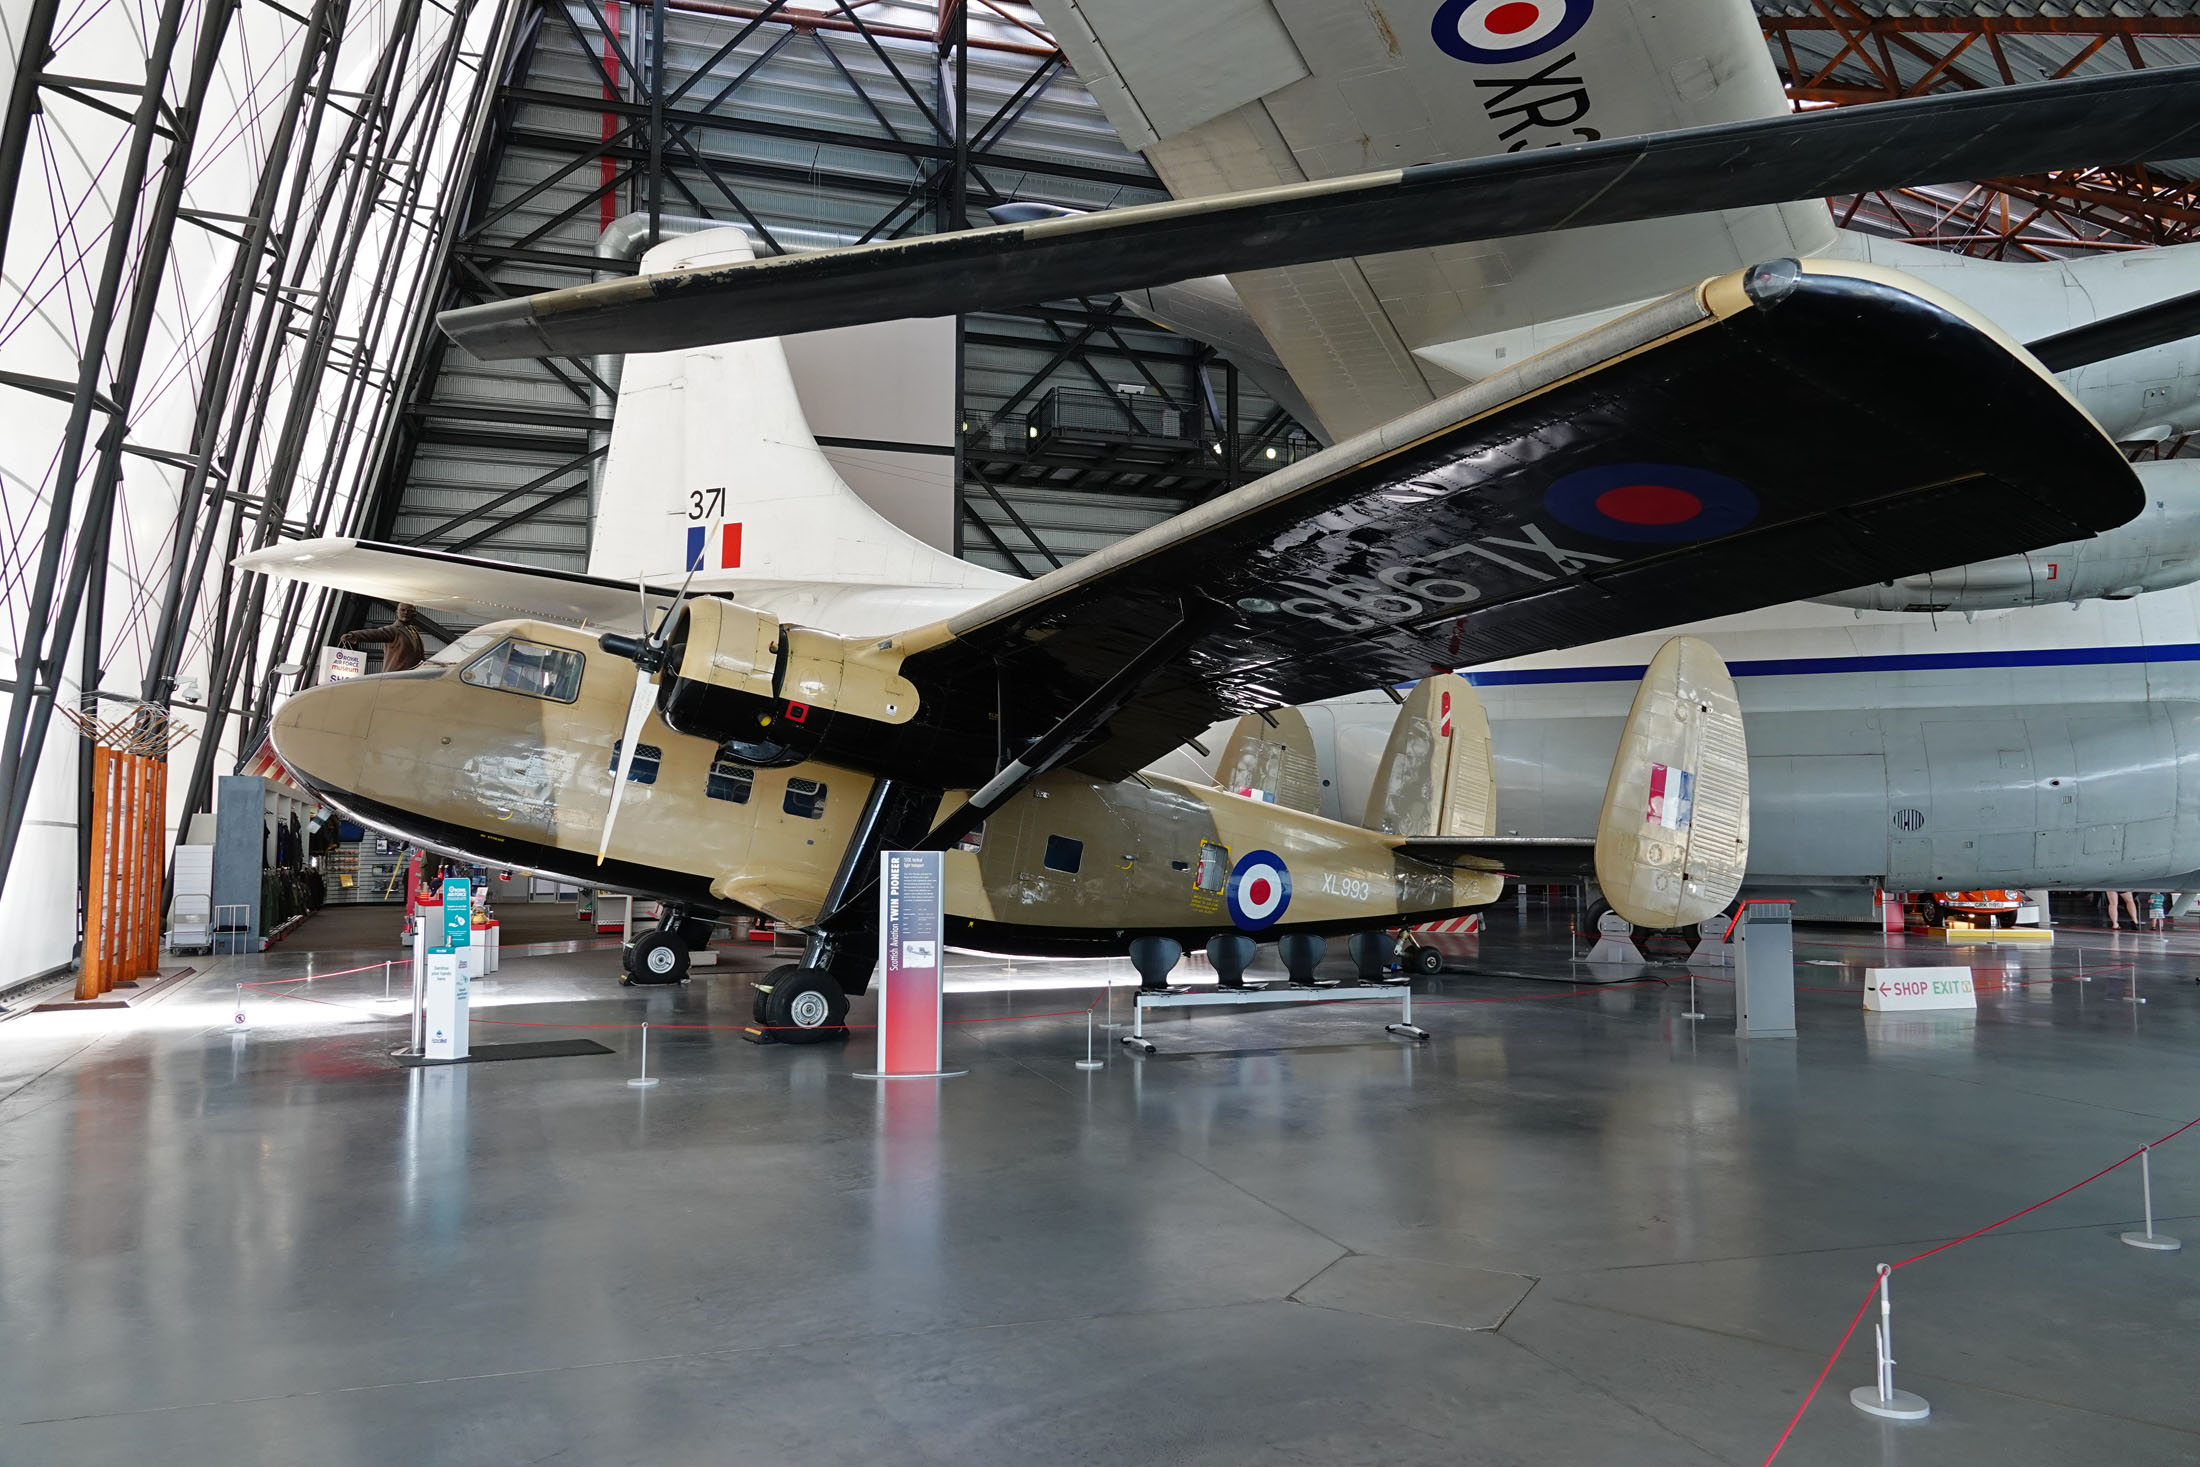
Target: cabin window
<point>1214,866</point>
<point>806,798</point>
<point>730,782</point>
<point>1064,854</point>
<point>515,666</point>
<point>647,757</point>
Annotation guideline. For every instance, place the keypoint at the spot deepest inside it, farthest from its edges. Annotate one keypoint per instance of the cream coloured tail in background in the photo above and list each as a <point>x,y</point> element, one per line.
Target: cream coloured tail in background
<point>1436,776</point>
<point>1270,756</point>
<point>1673,839</point>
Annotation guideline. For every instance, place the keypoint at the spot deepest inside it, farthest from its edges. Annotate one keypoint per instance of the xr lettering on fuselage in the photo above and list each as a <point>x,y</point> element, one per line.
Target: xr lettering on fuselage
<point>1544,110</point>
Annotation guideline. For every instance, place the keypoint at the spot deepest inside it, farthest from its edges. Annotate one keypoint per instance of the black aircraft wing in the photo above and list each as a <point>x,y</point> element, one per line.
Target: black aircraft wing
<point>1988,133</point>
<point>1775,435</point>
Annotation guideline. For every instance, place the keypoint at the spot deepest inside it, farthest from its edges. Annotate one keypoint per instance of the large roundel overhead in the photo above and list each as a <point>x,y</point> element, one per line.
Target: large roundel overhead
<point>1488,32</point>
<point>1260,890</point>
<point>1651,503</point>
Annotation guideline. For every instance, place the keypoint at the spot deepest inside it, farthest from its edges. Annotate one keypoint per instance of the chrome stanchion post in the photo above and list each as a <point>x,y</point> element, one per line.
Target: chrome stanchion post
<point>1692,1013</point>
<point>2150,1239</point>
<point>643,1080</point>
<point>1088,1062</point>
<point>239,1023</point>
<point>1405,1024</point>
<point>386,980</point>
<point>1882,1399</point>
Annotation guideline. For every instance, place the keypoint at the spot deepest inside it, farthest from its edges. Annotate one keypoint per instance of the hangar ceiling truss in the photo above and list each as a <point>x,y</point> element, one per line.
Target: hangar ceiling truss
<point>1840,52</point>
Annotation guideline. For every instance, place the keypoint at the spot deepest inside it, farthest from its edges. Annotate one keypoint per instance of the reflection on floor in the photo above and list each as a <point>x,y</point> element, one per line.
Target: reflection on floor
<point>1573,1228</point>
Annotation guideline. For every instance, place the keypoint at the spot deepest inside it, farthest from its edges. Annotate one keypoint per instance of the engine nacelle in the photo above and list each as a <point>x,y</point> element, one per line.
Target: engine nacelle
<point>2157,549</point>
<point>770,694</point>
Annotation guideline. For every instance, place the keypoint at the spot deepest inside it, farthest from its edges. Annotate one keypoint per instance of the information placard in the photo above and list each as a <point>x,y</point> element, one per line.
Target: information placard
<point>447,971</point>
<point>1889,989</point>
<point>911,962</point>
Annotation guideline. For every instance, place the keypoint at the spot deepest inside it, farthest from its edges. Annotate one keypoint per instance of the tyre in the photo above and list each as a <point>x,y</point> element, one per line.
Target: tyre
<point>1427,960</point>
<point>660,957</point>
<point>803,1005</point>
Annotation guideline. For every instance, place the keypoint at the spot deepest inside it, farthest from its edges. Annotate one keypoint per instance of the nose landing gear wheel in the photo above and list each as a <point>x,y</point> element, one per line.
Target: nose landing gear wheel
<point>798,1005</point>
<point>659,957</point>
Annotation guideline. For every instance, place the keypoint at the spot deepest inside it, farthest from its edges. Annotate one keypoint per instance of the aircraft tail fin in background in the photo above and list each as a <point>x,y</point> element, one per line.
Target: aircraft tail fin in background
<point>1271,757</point>
<point>1437,777</point>
<point>1674,835</point>
<point>713,467</point>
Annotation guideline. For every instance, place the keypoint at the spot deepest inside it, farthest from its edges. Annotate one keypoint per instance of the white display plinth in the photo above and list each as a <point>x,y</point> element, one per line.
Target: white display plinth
<point>446,1005</point>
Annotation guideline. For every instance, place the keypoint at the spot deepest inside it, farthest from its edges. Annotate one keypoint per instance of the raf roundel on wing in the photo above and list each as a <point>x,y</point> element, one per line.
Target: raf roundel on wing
<point>1260,890</point>
<point>1489,32</point>
<point>1651,504</point>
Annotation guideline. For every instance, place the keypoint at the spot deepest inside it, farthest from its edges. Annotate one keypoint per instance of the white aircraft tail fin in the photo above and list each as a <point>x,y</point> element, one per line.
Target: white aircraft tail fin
<point>713,467</point>
<point>1271,758</point>
<point>1437,776</point>
<point>1674,836</point>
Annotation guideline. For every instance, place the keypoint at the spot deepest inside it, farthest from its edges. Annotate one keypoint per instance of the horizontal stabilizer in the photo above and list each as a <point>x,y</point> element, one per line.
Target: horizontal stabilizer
<point>1530,857</point>
<point>458,585</point>
<point>1987,133</point>
<point>1674,836</point>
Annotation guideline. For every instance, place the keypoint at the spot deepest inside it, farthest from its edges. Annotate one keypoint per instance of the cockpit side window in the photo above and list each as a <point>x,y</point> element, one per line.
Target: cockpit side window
<point>529,668</point>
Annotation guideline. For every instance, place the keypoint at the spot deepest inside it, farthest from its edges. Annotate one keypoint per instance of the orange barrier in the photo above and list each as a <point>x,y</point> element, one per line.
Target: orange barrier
<point>122,901</point>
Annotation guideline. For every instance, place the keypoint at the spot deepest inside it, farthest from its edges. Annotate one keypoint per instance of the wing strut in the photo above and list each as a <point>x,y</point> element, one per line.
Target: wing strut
<point>1059,742</point>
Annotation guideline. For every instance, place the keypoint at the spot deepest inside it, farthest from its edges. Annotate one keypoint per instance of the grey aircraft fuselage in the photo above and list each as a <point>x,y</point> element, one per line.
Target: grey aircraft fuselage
<point>2041,747</point>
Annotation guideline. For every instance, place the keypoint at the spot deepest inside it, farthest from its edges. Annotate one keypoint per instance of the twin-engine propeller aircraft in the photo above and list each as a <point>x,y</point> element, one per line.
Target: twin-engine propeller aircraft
<point>1688,460</point>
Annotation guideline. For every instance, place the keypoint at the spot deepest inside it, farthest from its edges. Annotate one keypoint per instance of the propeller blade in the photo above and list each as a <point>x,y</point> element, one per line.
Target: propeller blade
<point>637,715</point>
<point>673,606</point>
<point>2114,336</point>
<point>1987,133</point>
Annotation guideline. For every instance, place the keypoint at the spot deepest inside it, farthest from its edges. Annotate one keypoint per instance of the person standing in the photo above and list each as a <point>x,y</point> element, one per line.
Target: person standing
<point>400,641</point>
<point>2129,905</point>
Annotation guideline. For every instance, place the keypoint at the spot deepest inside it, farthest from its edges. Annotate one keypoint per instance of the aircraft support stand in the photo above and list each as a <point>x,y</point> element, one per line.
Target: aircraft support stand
<point>1226,998</point>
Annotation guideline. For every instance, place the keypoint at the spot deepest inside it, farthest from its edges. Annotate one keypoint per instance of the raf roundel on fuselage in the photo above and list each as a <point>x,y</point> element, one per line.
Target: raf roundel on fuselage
<point>1490,32</point>
<point>1260,890</point>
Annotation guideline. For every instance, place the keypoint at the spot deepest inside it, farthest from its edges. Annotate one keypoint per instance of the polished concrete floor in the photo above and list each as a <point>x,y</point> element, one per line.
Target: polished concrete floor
<point>1575,1227</point>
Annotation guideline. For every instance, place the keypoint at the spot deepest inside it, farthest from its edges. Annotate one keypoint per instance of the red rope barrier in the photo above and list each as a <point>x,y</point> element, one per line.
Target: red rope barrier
<point>1847,1334</point>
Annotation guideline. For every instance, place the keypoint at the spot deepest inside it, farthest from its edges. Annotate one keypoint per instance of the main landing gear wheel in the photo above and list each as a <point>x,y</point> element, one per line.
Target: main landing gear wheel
<point>658,957</point>
<point>798,1005</point>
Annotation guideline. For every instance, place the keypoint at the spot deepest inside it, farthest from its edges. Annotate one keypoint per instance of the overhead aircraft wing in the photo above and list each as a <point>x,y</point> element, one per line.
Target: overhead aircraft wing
<point>1773,435</point>
<point>2118,118</point>
<point>1284,91</point>
<point>458,585</point>
<point>1529,857</point>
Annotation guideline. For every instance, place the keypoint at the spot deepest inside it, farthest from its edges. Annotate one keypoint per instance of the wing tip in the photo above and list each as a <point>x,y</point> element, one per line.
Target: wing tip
<point>497,331</point>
